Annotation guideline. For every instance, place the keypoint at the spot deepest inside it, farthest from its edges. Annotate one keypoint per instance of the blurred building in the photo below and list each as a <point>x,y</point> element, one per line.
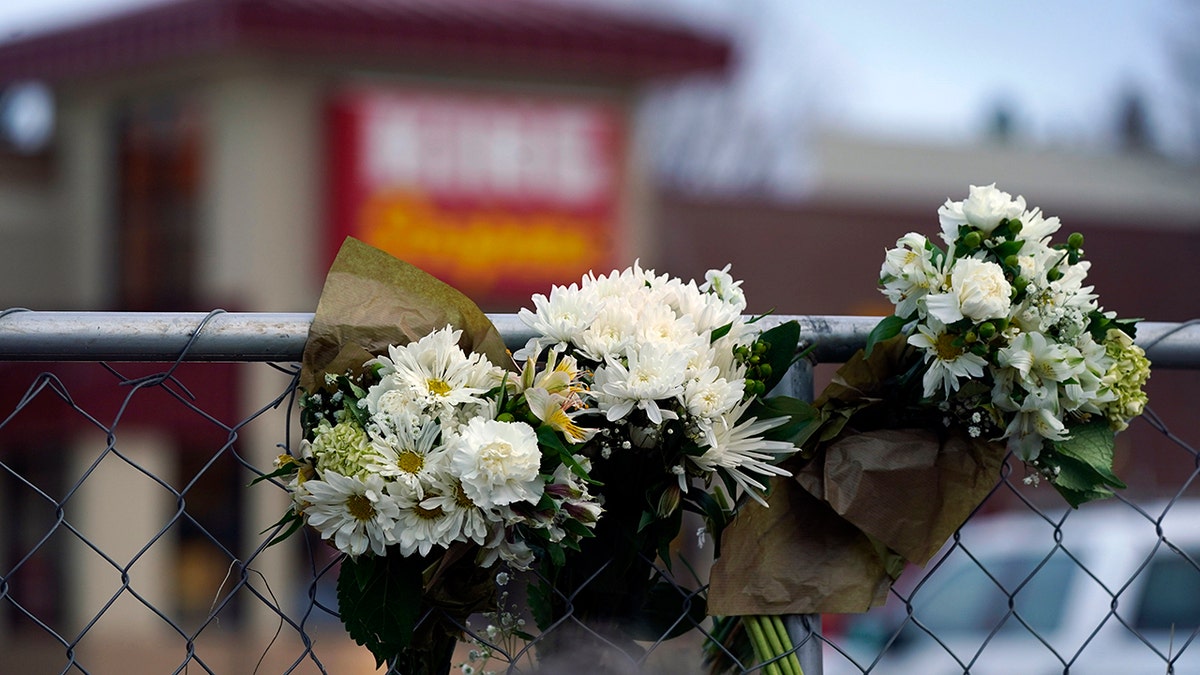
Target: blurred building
<point>215,153</point>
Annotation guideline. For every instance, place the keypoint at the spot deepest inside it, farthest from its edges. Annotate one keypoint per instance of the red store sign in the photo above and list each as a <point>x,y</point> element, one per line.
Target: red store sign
<point>498,196</point>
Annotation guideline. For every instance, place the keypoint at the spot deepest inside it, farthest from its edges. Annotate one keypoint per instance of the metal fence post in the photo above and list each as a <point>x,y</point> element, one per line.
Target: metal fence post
<point>803,629</point>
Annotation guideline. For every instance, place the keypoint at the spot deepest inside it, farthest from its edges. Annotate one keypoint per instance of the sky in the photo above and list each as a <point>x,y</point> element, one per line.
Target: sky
<point>931,69</point>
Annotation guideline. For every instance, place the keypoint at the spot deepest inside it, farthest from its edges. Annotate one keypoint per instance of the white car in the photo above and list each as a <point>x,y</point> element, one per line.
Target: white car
<point>1102,594</point>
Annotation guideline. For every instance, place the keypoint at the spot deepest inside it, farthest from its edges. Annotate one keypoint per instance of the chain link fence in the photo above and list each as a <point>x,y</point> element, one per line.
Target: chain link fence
<point>130,541</point>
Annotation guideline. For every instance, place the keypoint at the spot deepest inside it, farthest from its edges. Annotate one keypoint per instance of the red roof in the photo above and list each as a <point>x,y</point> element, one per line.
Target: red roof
<point>536,34</point>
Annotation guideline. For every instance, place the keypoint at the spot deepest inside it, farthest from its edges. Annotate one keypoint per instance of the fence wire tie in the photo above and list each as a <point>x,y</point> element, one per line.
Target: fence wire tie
<point>169,373</point>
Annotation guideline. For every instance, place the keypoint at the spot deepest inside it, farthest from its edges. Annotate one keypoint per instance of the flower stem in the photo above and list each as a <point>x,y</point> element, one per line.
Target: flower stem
<point>762,650</point>
<point>791,662</point>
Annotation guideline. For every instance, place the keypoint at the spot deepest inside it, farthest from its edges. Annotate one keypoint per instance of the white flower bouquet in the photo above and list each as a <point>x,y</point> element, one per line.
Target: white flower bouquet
<point>996,344</point>
<point>1013,345</point>
<point>678,378</point>
<point>435,463</point>
<point>433,469</point>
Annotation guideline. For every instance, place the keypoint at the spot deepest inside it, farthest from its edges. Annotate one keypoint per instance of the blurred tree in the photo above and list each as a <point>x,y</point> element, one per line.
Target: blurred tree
<point>1133,122</point>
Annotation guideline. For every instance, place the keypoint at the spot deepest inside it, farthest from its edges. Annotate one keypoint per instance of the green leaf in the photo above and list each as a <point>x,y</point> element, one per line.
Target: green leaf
<point>1010,247</point>
<point>296,522</point>
<point>716,518</point>
<point>799,413</point>
<point>1083,464</point>
<point>540,598</point>
<point>379,600</point>
<point>782,341</point>
<point>720,332</point>
<point>888,328</point>
<point>1092,445</point>
<point>549,438</point>
<point>557,555</point>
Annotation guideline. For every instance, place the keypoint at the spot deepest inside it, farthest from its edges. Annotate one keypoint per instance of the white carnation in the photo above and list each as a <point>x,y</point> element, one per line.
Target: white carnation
<point>497,462</point>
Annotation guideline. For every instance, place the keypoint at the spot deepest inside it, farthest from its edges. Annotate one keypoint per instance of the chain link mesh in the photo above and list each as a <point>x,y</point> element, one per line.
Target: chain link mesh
<point>132,543</point>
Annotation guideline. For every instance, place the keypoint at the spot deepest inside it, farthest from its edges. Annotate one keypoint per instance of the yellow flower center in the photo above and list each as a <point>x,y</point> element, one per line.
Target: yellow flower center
<point>946,349</point>
<point>410,462</point>
<point>438,387</point>
<point>360,507</point>
<point>460,496</point>
<point>427,514</point>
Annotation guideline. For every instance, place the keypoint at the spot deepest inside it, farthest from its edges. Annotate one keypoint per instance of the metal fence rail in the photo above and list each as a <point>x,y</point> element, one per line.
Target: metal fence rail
<point>130,543</point>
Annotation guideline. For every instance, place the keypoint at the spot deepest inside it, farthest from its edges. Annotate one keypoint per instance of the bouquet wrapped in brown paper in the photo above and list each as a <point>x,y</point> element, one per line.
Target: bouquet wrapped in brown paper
<point>884,483</point>
<point>428,459</point>
<point>996,346</point>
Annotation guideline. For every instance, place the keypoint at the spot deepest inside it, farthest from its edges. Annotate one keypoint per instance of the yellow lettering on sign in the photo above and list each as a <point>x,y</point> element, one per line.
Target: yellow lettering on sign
<point>473,249</point>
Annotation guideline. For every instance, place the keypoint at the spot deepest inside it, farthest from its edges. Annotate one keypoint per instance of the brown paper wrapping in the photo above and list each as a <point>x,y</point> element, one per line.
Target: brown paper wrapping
<point>871,497</point>
<point>905,487</point>
<point>826,543</point>
<point>371,300</point>
<point>796,557</point>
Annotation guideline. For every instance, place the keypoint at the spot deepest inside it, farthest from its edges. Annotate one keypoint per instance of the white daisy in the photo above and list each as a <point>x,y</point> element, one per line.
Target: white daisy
<point>407,455</point>
<point>357,514</point>
<point>436,372</point>
<point>420,527</point>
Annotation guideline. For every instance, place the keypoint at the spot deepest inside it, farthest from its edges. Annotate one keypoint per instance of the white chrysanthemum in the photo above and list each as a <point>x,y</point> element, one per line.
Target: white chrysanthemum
<point>563,315</point>
<point>407,455</point>
<point>658,325</point>
<point>947,362</point>
<point>740,450</point>
<point>653,373</point>
<point>497,462</point>
<point>436,372</point>
<point>978,291</point>
<point>708,395</point>
<point>708,311</point>
<point>618,284</point>
<point>909,273</point>
<point>355,514</point>
<point>611,332</point>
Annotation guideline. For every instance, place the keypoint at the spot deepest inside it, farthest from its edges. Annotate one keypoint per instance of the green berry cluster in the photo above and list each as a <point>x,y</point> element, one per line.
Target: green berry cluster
<point>758,370</point>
